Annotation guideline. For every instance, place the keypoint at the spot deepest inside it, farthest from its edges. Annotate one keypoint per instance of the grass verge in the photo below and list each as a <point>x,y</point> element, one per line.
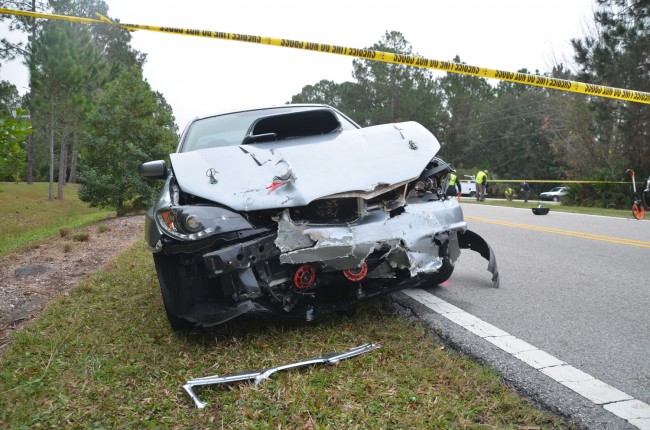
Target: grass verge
<point>104,357</point>
<point>30,217</point>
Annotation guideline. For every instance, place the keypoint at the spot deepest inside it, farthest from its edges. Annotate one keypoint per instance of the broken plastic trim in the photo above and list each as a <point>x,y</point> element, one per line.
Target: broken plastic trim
<point>471,240</point>
<point>260,375</point>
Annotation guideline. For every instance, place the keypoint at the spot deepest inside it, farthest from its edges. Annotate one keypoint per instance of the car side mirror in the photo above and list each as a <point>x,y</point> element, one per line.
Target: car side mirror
<point>154,169</point>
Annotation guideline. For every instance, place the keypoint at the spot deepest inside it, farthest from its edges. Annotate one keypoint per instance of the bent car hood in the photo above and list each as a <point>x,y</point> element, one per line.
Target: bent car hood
<point>294,172</point>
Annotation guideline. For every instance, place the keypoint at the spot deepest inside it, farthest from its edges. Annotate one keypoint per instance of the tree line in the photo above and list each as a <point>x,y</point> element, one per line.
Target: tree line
<point>91,118</point>
<point>518,131</point>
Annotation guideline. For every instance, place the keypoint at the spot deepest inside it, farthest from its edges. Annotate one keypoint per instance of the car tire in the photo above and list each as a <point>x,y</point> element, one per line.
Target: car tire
<point>442,275</point>
<point>170,276</point>
<point>472,194</point>
<point>556,199</point>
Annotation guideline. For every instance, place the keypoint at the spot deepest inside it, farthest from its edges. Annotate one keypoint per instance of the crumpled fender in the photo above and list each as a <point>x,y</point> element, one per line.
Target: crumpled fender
<point>474,242</point>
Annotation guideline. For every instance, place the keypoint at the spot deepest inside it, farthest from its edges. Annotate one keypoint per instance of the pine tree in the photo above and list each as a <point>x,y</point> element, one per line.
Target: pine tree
<point>617,54</point>
<point>129,125</point>
<point>464,98</point>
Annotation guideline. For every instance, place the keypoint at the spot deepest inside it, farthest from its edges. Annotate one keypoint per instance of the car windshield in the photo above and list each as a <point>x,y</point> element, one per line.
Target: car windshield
<point>556,189</point>
<point>230,129</point>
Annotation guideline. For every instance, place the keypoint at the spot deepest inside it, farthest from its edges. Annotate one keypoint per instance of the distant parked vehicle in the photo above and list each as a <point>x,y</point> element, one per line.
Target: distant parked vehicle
<point>554,194</point>
<point>468,187</point>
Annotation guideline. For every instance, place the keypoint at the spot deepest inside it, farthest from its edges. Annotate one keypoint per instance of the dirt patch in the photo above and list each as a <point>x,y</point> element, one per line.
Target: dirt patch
<point>31,278</point>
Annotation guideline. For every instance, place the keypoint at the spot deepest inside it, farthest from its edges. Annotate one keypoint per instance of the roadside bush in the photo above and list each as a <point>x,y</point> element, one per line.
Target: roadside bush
<point>601,195</point>
<point>81,237</point>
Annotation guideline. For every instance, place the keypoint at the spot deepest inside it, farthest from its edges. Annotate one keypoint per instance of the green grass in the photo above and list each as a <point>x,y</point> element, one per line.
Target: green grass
<point>104,357</point>
<point>618,213</point>
<point>30,217</point>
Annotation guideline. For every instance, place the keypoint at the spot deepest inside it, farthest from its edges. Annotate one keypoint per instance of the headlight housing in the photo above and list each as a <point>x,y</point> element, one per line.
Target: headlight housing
<point>189,223</point>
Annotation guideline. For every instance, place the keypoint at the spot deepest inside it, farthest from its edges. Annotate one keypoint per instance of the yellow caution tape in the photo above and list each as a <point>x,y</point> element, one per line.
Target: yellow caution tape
<point>387,57</point>
<point>51,16</point>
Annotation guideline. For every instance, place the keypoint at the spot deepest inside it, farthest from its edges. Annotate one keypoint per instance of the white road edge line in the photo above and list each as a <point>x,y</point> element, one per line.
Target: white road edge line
<point>615,401</point>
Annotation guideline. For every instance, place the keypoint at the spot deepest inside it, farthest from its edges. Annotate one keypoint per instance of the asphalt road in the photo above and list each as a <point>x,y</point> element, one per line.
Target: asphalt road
<point>574,286</point>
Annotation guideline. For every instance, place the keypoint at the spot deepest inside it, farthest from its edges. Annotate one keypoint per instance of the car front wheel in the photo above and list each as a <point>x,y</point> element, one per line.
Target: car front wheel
<point>171,278</point>
<point>441,276</point>
<point>556,199</point>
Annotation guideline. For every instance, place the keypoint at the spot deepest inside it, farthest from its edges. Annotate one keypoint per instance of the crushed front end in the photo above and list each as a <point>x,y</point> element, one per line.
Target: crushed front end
<point>290,240</point>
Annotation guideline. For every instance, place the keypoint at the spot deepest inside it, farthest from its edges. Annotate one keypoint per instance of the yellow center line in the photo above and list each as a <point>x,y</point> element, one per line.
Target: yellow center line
<point>591,236</point>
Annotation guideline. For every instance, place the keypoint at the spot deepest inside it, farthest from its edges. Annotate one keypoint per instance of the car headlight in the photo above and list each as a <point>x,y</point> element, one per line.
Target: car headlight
<point>198,222</point>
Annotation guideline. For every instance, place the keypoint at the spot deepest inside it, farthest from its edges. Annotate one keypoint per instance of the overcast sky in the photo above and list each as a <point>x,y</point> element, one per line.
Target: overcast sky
<point>199,76</point>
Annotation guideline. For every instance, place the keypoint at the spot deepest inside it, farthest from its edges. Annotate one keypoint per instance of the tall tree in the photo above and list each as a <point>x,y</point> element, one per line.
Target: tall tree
<point>10,50</point>
<point>111,43</point>
<point>64,69</point>
<point>130,124</point>
<point>391,92</point>
<point>383,92</point>
<point>9,98</point>
<point>14,129</point>
<point>568,124</point>
<point>464,98</point>
<point>515,137</point>
<point>617,54</point>
<point>324,91</point>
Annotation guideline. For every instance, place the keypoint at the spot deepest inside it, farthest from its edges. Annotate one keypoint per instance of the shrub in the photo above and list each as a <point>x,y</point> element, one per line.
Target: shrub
<point>81,237</point>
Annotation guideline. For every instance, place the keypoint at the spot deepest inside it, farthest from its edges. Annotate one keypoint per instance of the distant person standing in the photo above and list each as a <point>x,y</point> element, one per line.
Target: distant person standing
<point>481,185</point>
<point>453,184</point>
<point>525,191</point>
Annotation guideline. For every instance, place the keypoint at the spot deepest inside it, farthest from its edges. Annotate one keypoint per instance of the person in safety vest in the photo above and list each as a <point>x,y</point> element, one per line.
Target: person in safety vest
<point>509,194</point>
<point>481,184</point>
<point>453,184</point>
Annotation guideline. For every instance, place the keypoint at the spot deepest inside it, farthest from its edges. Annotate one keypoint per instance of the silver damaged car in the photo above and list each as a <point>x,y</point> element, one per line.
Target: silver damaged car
<point>297,211</point>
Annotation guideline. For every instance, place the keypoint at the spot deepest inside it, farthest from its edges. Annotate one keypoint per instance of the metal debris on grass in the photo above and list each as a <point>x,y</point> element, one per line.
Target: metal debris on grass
<point>258,376</point>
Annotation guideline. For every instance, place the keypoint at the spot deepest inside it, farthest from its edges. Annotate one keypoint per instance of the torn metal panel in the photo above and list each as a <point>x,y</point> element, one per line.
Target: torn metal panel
<point>257,376</point>
<point>409,236</point>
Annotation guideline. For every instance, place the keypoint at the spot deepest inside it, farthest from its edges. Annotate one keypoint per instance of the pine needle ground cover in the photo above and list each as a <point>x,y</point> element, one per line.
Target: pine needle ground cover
<point>104,357</point>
